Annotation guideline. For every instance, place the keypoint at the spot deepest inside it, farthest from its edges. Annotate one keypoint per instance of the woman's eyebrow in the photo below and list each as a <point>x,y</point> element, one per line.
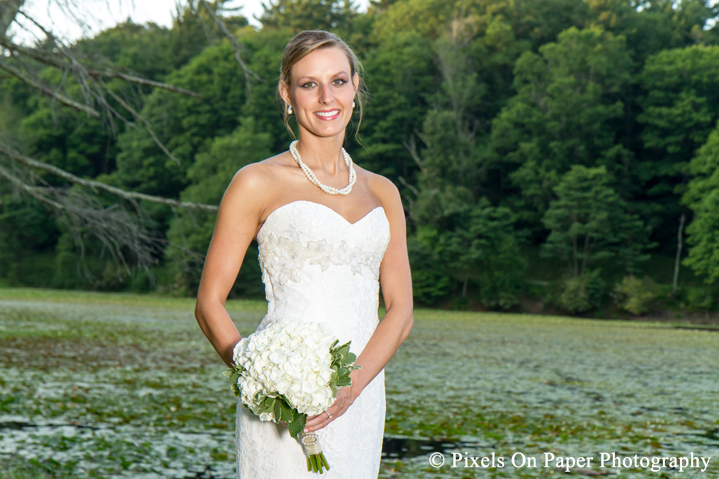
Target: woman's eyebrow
<point>310,77</point>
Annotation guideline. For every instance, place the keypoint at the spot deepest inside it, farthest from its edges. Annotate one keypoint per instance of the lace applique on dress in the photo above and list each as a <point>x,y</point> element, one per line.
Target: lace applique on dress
<point>283,257</point>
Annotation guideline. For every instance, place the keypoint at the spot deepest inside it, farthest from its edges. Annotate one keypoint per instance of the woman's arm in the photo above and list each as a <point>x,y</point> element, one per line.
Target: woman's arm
<point>237,222</point>
<point>396,282</point>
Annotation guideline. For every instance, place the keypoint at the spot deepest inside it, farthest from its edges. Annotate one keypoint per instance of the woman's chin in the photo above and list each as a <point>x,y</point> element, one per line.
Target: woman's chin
<point>327,131</point>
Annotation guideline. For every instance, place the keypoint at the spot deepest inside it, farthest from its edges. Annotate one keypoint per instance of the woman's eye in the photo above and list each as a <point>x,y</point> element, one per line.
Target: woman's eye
<point>308,84</point>
<point>340,81</point>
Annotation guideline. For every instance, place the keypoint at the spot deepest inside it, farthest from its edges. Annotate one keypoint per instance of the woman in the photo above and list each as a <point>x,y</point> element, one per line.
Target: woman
<point>325,247</point>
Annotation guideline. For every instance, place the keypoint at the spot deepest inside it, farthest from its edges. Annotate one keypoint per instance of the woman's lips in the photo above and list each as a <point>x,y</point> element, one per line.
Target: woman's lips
<point>328,115</point>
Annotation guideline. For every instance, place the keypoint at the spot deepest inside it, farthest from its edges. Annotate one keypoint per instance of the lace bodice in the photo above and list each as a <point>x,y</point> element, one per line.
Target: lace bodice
<point>317,266</point>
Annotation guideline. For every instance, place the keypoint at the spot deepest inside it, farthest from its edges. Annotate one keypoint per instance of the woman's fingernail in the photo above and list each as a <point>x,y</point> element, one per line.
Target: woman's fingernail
<point>305,430</point>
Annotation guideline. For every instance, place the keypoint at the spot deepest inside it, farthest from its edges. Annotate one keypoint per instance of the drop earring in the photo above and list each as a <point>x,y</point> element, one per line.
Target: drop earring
<point>353,104</point>
<point>289,109</point>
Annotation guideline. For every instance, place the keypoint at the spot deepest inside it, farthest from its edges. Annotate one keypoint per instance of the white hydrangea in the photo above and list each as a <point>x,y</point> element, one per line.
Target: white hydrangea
<point>289,357</point>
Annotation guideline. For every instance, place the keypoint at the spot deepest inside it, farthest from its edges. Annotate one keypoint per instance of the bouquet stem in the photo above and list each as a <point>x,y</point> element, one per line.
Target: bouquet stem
<point>316,461</point>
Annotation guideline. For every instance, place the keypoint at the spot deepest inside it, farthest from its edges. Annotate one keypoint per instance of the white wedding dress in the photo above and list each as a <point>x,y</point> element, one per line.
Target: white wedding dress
<point>316,266</point>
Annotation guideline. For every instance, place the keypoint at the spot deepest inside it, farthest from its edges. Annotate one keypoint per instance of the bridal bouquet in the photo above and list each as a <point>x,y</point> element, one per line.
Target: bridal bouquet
<point>289,371</point>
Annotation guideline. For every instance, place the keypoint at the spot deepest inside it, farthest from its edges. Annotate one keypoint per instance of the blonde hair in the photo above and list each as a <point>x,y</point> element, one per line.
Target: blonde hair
<point>305,43</point>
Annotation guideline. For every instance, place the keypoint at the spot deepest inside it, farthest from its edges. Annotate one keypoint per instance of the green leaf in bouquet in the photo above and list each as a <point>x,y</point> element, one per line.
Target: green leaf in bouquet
<point>287,401</point>
<point>278,410</point>
<point>339,356</point>
<point>347,344</point>
<point>236,390</point>
<point>286,413</point>
<point>345,350</point>
<point>350,358</point>
<point>297,424</point>
<point>266,405</point>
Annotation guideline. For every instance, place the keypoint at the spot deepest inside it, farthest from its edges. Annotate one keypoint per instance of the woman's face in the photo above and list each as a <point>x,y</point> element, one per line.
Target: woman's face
<point>321,92</point>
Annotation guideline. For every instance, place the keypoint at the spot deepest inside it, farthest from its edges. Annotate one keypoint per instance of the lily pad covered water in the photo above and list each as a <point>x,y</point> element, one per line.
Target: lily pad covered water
<point>101,385</point>
<point>538,385</point>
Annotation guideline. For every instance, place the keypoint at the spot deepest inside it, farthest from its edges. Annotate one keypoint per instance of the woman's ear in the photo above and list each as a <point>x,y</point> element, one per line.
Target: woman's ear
<point>284,92</point>
<point>355,82</point>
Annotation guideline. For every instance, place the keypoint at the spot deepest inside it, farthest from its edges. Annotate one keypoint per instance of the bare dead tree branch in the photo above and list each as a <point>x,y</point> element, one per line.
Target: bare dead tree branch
<point>411,187</point>
<point>411,146</point>
<point>33,191</point>
<point>96,185</point>
<point>88,80</point>
<point>236,47</point>
<point>121,233</point>
<point>51,60</point>
<point>144,81</point>
<point>145,123</point>
<point>8,12</point>
<point>46,90</point>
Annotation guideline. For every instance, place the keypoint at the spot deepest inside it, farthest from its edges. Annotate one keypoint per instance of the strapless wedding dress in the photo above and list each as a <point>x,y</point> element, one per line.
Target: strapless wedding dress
<point>317,266</point>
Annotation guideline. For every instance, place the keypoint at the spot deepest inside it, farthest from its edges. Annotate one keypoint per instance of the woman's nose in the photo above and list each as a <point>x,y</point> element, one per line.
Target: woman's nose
<point>326,94</point>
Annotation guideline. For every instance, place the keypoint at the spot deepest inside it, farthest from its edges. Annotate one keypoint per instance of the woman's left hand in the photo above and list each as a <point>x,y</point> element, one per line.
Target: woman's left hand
<point>343,401</point>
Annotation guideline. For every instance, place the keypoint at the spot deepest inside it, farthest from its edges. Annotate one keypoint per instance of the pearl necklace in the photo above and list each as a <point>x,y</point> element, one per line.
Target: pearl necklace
<point>313,179</point>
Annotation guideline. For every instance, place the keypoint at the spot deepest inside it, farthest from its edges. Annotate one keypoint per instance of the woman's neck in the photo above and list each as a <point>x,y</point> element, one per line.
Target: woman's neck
<point>322,153</point>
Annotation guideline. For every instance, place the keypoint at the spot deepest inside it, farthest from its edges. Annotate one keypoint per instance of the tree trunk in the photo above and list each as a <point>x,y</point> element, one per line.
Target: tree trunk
<point>574,250</point>
<point>464,286</point>
<point>587,239</point>
<point>679,253</point>
<point>8,11</point>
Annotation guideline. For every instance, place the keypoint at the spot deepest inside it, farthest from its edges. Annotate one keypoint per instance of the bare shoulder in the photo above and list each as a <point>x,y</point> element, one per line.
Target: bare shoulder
<point>383,189</point>
<point>253,182</point>
<point>247,196</point>
<point>387,193</point>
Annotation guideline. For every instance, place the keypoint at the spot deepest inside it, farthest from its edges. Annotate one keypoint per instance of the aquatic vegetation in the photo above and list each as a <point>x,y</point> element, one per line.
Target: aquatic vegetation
<point>127,386</point>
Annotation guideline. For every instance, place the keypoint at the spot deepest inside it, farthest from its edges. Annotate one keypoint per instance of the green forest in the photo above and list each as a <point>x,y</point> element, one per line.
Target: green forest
<point>552,155</point>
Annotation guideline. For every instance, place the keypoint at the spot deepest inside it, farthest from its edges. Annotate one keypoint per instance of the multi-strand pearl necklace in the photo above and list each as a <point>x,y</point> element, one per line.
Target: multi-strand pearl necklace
<point>313,179</point>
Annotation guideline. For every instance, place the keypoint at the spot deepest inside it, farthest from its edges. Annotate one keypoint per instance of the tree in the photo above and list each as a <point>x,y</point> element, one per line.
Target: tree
<point>400,73</point>
<point>300,15</point>
<point>487,250</point>
<point>702,196</point>
<point>589,222</point>
<point>567,96</point>
<point>658,25</point>
<point>457,226</point>
<point>680,109</point>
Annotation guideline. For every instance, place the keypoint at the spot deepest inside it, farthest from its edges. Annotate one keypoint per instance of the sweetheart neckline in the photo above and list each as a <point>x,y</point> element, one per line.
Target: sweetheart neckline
<point>323,206</point>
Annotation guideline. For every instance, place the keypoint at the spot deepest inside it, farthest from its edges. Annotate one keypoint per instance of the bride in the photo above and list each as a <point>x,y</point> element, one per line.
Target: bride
<point>329,234</point>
